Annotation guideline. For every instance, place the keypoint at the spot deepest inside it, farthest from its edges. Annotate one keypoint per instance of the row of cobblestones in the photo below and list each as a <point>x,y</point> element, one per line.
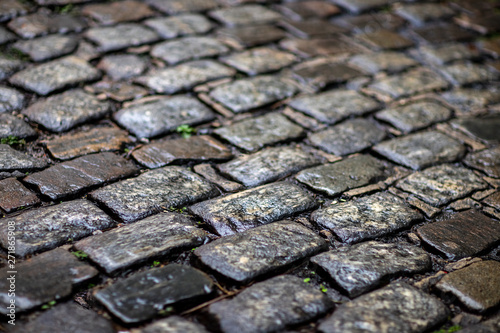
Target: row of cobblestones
<point>250,165</point>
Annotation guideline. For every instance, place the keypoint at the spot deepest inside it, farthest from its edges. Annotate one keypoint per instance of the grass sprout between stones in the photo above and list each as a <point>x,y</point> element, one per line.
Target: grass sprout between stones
<point>186,131</point>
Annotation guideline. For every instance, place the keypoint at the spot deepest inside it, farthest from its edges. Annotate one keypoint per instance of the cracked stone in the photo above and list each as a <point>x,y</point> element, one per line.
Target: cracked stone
<point>384,40</point>
<point>62,112</point>
<point>308,10</point>
<point>261,250</point>
<point>415,81</point>
<point>188,48</point>
<point>10,99</point>
<point>388,61</point>
<point>6,36</point>
<point>358,6</point>
<point>35,279</point>
<point>448,32</point>
<point>117,12</point>
<point>45,228</point>
<point>485,128</point>
<point>395,308</point>
<point>48,47</point>
<point>96,140</point>
<point>370,22</point>
<point>164,115</point>
<point>9,66</point>
<point>174,7</point>
<point>461,74</point>
<point>362,267</point>
<point>267,165</point>
<point>332,106</point>
<point>184,76</point>
<point>465,234</point>
<point>44,22</point>
<point>11,159</point>
<point>75,176</point>
<point>141,296</point>
<point>441,55</point>
<point>253,35</point>
<point>121,36</point>
<point>472,98</point>
<point>319,46</point>
<point>420,150</point>
<point>154,237</point>
<point>488,161</point>
<point>255,133</point>
<point>312,28</point>
<point>335,178</point>
<point>13,195</point>
<point>442,184</point>
<point>415,116</point>
<point>172,324</point>
<point>68,317</point>
<point>245,15</point>
<point>319,76</point>
<point>421,13</point>
<point>260,60</point>
<point>257,206</point>
<point>257,308</point>
<point>476,286</point>
<point>122,66</point>
<point>196,148</point>
<point>245,94</point>
<point>57,74</point>
<point>367,217</point>
<point>153,191</point>
<point>181,25</point>
<point>12,8</point>
<point>348,137</point>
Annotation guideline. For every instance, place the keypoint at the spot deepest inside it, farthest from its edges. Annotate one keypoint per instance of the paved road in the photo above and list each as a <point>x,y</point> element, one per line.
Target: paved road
<point>249,166</point>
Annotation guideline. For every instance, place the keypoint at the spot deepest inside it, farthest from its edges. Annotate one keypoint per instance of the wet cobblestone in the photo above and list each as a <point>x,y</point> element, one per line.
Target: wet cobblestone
<point>250,165</point>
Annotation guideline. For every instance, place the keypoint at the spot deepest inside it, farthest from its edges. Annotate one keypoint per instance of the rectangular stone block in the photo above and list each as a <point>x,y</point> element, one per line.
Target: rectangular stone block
<point>244,210</point>
<point>75,176</point>
<point>153,191</point>
<point>48,227</point>
<point>260,250</point>
<point>136,243</point>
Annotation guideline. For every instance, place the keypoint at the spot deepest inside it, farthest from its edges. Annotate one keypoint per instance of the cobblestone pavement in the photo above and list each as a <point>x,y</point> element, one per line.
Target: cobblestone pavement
<point>250,166</point>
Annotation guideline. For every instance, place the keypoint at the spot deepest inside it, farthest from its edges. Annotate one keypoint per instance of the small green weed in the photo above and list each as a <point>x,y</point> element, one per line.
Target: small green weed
<point>156,264</point>
<point>48,305</point>
<point>323,288</point>
<point>12,140</point>
<point>454,328</point>
<point>186,131</point>
<point>65,9</point>
<point>80,254</point>
<point>165,312</point>
<point>307,280</point>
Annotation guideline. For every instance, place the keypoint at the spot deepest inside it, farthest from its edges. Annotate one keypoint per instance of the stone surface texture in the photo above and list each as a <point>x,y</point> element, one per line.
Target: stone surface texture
<point>359,268</point>
<point>397,307</point>
<point>147,194</point>
<point>48,227</point>
<point>256,309</point>
<point>133,244</point>
<point>251,208</point>
<point>300,159</point>
<point>260,250</point>
<point>366,217</point>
